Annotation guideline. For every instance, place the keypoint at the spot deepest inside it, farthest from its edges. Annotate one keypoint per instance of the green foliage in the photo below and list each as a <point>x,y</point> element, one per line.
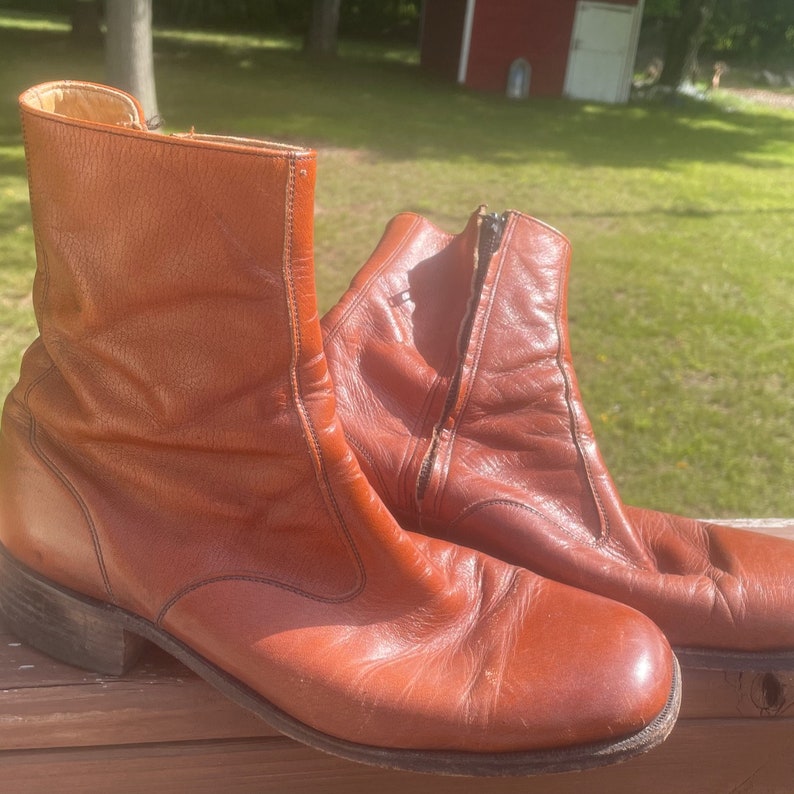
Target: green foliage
<point>681,219</point>
<point>661,9</point>
<point>755,29</point>
<point>270,15</point>
<point>759,30</point>
<point>386,19</point>
<point>61,7</point>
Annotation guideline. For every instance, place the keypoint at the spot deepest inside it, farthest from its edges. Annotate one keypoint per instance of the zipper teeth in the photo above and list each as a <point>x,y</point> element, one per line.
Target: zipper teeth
<point>490,238</point>
<point>424,471</point>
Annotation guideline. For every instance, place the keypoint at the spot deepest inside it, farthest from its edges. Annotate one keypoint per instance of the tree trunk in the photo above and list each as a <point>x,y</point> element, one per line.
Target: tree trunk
<point>684,40</point>
<point>323,27</point>
<point>129,60</point>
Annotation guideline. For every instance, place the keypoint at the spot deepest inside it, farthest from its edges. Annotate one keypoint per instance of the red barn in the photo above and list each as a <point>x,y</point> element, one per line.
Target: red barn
<point>574,48</point>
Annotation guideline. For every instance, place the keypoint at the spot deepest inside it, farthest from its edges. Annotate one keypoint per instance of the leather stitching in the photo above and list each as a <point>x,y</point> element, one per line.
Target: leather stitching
<point>191,588</point>
<point>593,543</point>
<point>50,464</point>
<point>354,303</point>
<point>364,453</point>
<point>361,294</point>
<point>315,448</point>
<point>576,434</point>
<point>163,140</point>
<point>606,528</point>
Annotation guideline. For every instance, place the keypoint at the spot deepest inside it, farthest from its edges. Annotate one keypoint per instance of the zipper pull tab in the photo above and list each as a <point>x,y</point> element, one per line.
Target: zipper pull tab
<point>491,232</point>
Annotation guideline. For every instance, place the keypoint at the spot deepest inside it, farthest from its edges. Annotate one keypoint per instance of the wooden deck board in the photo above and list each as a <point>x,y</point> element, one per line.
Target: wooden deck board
<point>700,757</point>
<point>162,729</point>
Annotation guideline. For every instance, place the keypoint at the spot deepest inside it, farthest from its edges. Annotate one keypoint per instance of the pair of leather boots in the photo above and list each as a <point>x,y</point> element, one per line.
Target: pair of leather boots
<point>178,468</point>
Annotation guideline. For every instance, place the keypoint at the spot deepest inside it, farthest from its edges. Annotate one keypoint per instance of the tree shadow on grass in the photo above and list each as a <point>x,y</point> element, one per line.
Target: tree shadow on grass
<point>687,211</point>
<point>396,112</point>
<point>401,114</point>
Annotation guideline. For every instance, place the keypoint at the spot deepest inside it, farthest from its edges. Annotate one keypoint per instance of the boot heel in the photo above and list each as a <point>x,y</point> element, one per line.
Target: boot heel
<point>63,624</point>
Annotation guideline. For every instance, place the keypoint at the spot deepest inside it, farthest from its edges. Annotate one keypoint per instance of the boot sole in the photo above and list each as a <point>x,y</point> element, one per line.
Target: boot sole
<point>103,638</point>
<point>738,661</point>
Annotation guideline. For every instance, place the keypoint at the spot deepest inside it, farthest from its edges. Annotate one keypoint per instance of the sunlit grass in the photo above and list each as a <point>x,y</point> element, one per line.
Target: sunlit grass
<point>20,20</point>
<point>239,41</point>
<point>682,221</point>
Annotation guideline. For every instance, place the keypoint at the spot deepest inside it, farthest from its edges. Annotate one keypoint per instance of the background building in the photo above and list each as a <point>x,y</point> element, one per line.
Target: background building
<point>573,48</point>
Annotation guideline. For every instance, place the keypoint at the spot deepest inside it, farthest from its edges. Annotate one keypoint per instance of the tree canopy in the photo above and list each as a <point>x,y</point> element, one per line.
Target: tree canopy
<point>758,30</point>
<point>743,29</point>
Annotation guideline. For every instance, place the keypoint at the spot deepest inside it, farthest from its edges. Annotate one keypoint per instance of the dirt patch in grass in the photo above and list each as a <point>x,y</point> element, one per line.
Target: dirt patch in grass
<point>763,97</point>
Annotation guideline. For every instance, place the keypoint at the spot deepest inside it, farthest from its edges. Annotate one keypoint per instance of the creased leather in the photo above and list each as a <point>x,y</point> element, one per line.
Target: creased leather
<point>172,447</point>
<point>516,471</point>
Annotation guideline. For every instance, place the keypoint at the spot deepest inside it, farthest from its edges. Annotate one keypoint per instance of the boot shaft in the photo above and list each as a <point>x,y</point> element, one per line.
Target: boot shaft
<point>510,427</point>
<point>141,239</point>
<point>513,468</point>
<point>177,314</point>
<point>399,343</point>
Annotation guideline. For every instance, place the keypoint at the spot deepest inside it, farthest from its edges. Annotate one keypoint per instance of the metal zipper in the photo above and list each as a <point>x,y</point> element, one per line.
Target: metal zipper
<point>491,231</point>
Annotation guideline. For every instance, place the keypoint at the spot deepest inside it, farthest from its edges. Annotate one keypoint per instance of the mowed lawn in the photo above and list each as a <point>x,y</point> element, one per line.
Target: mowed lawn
<point>681,219</point>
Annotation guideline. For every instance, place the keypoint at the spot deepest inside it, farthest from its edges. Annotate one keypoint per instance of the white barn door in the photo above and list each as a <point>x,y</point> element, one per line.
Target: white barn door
<point>603,49</point>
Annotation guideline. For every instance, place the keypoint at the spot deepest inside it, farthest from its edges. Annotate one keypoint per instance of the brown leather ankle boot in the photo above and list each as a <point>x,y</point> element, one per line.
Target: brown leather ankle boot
<point>453,372</point>
<point>173,469</point>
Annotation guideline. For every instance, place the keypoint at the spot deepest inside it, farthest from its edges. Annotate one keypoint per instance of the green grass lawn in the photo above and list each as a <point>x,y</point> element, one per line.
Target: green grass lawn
<point>682,222</point>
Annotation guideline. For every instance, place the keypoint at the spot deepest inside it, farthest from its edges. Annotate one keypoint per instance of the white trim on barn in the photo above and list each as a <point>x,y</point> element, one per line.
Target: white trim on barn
<point>465,45</point>
<point>634,44</point>
<point>603,50</point>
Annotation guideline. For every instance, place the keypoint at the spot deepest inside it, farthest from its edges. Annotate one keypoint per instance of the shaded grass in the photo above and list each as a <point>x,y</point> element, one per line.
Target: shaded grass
<point>681,221</point>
